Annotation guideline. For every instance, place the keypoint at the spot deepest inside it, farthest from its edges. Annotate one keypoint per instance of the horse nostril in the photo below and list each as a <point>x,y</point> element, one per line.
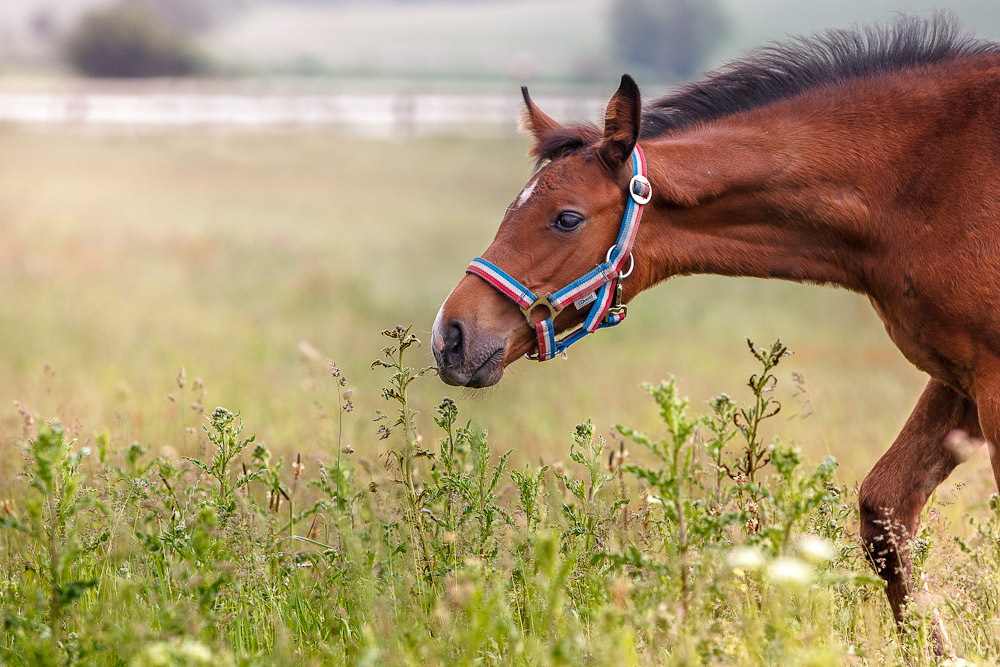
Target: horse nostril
<point>454,343</point>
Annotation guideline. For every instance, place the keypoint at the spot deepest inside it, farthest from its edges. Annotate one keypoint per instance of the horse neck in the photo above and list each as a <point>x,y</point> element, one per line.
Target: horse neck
<point>787,195</point>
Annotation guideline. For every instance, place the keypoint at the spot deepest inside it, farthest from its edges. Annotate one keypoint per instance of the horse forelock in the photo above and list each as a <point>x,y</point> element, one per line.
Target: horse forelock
<point>562,141</point>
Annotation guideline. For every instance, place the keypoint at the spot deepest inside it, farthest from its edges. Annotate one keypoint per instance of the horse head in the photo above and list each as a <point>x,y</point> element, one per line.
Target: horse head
<point>564,223</point>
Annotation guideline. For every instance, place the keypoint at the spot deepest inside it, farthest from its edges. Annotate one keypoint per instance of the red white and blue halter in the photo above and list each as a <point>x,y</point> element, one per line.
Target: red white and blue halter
<point>600,286</point>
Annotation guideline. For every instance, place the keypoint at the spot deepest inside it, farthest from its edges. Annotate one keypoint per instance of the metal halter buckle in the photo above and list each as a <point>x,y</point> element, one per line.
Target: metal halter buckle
<point>617,307</point>
<point>544,302</point>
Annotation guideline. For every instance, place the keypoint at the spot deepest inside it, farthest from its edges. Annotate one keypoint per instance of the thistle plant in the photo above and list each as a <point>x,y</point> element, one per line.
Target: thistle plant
<point>400,378</point>
<point>673,481</point>
<point>56,512</point>
<point>529,488</point>
<point>589,516</point>
<point>225,435</point>
<point>484,500</point>
<point>749,419</point>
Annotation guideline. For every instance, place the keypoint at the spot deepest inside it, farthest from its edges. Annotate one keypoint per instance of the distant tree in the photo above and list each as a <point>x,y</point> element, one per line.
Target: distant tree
<point>130,39</point>
<point>666,37</point>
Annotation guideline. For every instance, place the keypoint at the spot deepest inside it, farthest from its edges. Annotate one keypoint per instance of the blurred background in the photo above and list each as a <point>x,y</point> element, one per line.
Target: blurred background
<point>201,201</point>
<point>447,43</point>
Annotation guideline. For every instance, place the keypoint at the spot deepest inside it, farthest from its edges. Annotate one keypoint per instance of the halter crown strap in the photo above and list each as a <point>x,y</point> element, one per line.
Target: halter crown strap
<point>600,286</point>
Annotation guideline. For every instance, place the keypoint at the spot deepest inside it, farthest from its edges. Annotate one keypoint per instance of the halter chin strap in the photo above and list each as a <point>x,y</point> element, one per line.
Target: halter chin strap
<point>600,286</point>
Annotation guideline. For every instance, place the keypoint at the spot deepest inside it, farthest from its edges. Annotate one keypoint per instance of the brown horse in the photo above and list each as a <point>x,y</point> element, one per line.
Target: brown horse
<point>867,159</point>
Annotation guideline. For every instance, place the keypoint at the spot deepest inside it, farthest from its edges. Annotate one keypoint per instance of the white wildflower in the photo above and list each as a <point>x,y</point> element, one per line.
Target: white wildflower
<point>790,571</point>
<point>814,549</point>
<point>194,652</point>
<point>746,559</point>
<point>184,652</point>
<point>955,661</point>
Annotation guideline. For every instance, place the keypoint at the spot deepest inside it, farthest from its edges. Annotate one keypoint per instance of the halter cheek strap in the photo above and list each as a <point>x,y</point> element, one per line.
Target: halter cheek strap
<point>601,286</point>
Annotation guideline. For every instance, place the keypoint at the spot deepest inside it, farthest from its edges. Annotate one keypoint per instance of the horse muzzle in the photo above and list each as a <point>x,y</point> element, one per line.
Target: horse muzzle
<point>464,360</point>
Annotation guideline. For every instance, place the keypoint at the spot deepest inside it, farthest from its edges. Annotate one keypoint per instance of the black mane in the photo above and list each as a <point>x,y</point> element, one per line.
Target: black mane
<point>780,71</point>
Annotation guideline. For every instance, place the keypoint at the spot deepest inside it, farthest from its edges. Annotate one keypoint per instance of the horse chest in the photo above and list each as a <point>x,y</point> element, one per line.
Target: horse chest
<point>928,341</point>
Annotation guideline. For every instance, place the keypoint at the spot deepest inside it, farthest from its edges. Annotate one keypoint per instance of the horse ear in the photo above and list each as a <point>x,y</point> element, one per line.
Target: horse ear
<point>534,120</point>
<point>621,123</point>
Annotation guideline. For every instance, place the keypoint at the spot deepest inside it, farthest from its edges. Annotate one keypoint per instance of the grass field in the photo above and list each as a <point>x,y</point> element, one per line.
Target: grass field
<point>249,260</point>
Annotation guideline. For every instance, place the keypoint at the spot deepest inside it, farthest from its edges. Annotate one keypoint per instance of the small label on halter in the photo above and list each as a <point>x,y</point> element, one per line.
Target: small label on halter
<point>585,300</point>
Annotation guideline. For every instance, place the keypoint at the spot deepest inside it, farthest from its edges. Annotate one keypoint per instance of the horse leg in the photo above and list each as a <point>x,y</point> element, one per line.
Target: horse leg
<point>989,418</point>
<point>895,491</point>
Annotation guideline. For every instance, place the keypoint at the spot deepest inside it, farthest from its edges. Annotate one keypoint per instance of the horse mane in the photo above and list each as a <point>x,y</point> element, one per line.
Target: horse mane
<point>782,70</point>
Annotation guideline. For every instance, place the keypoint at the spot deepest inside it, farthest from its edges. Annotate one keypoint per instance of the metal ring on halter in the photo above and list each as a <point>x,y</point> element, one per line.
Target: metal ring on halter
<point>640,189</point>
<point>543,302</point>
<point>631,262</point>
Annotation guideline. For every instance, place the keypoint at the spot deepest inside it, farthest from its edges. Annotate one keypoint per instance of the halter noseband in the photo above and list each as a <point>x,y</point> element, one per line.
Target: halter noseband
<point>600,286</point>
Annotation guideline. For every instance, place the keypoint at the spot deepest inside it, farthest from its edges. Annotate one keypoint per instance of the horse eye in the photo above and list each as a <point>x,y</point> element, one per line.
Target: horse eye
<point>567,220</point>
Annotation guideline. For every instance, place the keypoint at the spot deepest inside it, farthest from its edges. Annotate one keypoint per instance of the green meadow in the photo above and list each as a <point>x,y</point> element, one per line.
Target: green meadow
<point>147,278</point>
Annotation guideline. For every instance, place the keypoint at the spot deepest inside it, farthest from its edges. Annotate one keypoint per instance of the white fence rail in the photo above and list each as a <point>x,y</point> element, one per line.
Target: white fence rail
<point>376,115</point>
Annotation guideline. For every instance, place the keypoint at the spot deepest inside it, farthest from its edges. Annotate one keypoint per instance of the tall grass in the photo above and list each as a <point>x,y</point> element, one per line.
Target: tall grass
<point>721,546</point>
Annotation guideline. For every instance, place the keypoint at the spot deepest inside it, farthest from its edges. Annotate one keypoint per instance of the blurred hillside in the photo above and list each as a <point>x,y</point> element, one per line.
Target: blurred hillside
<point>451,41</point>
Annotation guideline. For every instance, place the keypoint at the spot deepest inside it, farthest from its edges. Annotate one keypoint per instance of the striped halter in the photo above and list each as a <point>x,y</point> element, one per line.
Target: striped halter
<point>601,286</point>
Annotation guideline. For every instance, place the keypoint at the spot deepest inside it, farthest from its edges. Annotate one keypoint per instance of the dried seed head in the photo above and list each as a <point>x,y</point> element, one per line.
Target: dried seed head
<point>617,459</point>
<point>181,378</point>
<point>26,416</point>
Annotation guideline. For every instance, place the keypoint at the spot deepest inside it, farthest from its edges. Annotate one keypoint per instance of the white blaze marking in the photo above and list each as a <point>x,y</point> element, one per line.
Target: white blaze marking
<point>525,194</point>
